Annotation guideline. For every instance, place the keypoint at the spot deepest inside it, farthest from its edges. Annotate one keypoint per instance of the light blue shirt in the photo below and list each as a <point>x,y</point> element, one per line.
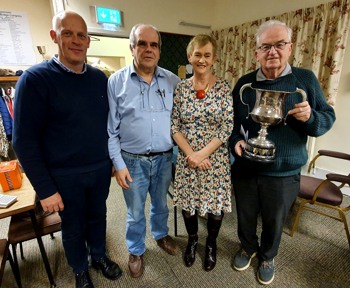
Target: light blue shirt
<point>139,116</point>
<point>64,67</point>
<point>261,77</point>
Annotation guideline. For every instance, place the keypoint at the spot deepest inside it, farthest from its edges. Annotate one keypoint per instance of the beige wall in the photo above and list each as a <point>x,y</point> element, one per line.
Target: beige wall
<point>166,15</point>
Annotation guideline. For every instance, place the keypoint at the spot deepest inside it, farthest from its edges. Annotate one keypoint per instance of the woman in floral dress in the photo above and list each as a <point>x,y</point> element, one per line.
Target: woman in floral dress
<point>202,122</point>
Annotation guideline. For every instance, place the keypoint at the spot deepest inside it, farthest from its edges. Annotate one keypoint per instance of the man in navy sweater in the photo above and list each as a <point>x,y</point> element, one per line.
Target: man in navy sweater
<point>60,138</point>
<point>270,189</point>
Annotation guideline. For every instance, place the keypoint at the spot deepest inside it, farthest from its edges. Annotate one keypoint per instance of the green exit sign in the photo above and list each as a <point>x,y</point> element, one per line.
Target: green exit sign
<point>108,16</point>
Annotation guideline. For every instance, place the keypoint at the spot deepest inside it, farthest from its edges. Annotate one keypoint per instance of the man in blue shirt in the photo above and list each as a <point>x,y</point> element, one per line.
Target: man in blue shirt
<point>140,145</point>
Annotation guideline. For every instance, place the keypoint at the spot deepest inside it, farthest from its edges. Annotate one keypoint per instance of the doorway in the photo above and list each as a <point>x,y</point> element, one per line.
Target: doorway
<point>109,54</point>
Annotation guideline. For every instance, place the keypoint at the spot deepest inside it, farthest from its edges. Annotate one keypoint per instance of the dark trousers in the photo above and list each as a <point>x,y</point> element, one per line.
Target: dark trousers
<point>272,198</point>
<point>84,215</point>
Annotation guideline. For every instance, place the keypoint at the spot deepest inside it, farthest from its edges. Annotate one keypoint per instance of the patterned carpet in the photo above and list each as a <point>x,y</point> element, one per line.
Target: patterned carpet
<point>317,256</point>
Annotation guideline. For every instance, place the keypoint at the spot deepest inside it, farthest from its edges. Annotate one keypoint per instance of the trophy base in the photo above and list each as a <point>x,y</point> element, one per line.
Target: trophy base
<point>260,151</point>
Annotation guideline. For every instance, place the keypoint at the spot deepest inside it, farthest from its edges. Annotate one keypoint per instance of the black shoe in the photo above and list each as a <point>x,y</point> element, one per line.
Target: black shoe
<point>190,253</point>
<point>109,269</point>
<point>82,280</point>
<point>210,256</point>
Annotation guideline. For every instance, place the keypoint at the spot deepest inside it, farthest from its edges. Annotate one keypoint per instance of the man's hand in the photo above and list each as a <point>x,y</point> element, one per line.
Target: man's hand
<point>53,203</point>
<point>113,171</point>
<point>239,147</point>
<point>301,111</point>
<point>122,176</point>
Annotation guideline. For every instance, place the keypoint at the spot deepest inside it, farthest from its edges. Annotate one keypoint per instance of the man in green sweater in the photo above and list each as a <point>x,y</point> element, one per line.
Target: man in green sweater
<point>270,189</point>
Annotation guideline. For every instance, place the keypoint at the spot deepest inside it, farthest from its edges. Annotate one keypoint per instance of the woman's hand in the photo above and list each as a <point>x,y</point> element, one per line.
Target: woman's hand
<point>204,165</point>
<point>194,159</point>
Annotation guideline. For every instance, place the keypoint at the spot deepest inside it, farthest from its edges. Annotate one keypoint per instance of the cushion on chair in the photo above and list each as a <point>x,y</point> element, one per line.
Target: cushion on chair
<point>21,229</point>
<point>330,194</point>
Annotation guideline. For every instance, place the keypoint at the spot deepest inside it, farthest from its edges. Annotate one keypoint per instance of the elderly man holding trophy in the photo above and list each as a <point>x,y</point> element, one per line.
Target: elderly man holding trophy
<point>276,108</point>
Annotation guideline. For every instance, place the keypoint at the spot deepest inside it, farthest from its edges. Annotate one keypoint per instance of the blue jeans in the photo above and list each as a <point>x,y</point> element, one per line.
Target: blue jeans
<point>153,175</point>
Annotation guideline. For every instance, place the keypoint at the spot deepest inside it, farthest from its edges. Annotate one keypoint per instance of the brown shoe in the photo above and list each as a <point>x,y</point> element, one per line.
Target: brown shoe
<point>169,245</point>
<point>136,265</point>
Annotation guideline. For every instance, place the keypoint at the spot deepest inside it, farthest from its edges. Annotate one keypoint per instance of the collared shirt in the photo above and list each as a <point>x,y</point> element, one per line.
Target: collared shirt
<point>261,77</point>
<point>66,68</point>
<point>139,116</point>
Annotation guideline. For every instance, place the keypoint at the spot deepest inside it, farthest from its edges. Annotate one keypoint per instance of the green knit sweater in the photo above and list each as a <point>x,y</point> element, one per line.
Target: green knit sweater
<point>290,139</point>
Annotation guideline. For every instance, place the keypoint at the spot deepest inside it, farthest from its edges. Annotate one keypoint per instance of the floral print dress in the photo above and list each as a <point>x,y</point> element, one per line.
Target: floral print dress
<point>199,121</point>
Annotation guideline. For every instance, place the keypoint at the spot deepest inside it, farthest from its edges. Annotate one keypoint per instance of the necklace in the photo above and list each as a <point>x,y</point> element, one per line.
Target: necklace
<point>200,94</point>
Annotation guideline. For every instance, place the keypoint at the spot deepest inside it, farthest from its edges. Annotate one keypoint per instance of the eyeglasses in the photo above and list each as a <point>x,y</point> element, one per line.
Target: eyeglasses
<point>277,46</point>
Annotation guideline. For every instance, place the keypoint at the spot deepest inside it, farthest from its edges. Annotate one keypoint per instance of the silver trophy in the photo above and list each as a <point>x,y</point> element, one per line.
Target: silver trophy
<point>42,51</point>
<point>268,110</point>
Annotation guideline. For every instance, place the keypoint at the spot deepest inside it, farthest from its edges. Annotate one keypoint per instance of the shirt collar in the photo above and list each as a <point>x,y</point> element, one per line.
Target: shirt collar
<point>64,67</point>
<point>158,72</point>
<point>261,77</point>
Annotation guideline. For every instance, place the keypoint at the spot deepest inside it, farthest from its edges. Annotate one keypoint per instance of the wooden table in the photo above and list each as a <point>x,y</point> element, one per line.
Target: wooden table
<point>26,202</point>
<point>25,199</point>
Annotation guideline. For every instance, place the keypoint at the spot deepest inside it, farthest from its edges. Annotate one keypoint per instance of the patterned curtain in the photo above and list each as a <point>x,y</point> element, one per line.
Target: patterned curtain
<point>319,36</point>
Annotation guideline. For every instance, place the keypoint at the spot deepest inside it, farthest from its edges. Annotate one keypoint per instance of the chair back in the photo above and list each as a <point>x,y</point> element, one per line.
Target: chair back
<point>324,195</point>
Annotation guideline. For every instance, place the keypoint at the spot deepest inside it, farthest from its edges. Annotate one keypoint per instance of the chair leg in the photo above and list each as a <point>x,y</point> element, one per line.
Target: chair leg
<point>52,236</point>
<point>343,217</point>
<point>15,270</point>
<point>297,217</point>
<point>14,254</point>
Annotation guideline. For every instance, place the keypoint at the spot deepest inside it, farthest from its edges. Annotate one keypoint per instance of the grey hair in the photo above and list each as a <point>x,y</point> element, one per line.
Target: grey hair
<point>133,37</point>
<point>272,23</point>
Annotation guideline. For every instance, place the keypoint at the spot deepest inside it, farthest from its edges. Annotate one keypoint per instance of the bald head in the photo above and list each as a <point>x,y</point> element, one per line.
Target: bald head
<point>58,18</point>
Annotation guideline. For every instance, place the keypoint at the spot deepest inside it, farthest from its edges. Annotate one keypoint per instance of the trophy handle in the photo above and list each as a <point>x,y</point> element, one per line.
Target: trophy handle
<point>303,93</point>
<point>241,95</point>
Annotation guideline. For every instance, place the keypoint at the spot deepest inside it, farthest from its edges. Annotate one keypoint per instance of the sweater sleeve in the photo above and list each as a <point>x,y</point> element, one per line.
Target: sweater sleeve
<point>322,114</point>
<point>31,108</point>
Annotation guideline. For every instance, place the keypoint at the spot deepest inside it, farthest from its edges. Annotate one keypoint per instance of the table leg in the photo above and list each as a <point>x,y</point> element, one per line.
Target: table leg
<point>15,269</point>
<point>42,248</point>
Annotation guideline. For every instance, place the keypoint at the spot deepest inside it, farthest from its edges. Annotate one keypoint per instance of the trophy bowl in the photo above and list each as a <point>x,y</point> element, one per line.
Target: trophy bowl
<point>267,111</point>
